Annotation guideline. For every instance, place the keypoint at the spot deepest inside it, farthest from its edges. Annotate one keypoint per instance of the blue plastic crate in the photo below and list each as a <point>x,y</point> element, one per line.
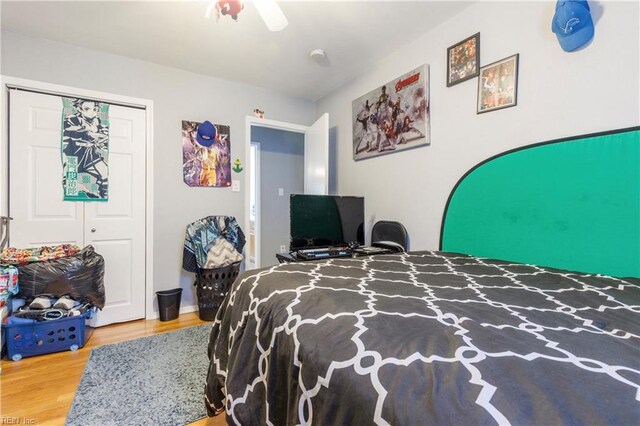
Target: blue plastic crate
<point>44,337</point>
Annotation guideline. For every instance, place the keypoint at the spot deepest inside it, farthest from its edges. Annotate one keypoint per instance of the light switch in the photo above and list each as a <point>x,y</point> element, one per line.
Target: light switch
<point>235,186</point>
<point>281,191</point>
<point>283,249</point>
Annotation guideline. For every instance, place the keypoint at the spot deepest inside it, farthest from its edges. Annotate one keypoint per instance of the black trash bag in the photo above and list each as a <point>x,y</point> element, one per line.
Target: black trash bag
<point>80,276</point>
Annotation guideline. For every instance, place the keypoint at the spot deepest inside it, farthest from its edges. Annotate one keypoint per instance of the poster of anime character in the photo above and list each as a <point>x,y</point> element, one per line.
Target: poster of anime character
<point>393,117</point>
<point>85,150</point>
<point>206,154</point>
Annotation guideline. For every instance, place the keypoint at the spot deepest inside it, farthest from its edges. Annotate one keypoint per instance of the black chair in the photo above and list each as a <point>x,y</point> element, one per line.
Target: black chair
<point>385,232</point>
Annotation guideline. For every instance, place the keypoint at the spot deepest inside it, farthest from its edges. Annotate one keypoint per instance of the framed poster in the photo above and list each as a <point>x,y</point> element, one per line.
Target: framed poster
<point>463,60</point>
<point>206,154</point>
<point>498,85</point>
<point>393,117</point>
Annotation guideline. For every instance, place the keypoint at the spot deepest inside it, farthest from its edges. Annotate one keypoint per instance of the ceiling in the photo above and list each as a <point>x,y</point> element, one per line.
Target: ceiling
<point>354,34</point>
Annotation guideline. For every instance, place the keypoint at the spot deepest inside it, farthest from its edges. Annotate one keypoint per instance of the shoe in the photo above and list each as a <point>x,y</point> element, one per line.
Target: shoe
<point>40,302</point>
<point>65,302</point>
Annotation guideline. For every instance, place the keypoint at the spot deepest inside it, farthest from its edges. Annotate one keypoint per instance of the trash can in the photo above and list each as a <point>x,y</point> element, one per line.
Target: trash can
<point>169,303</point>
<point>212,286</point>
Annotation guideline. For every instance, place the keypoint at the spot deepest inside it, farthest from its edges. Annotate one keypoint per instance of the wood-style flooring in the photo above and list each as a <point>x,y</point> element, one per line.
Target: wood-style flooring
<point>39,390</point>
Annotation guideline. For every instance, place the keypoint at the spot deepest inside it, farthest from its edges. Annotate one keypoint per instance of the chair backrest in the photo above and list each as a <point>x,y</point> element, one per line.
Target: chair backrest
<point>385,230</point>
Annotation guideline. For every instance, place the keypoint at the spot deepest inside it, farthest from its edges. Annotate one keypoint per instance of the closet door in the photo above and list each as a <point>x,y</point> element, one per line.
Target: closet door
<point>40,217</point>
<point>115,228</point>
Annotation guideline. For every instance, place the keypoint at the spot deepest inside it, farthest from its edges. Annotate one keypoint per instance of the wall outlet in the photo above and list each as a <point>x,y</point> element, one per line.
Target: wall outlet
<point>281,191</point>
<point>235,186</point>
<point>283,249</point>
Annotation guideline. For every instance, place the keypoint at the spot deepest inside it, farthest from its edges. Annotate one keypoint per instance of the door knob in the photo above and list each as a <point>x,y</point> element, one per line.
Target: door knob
<point>93,229</point>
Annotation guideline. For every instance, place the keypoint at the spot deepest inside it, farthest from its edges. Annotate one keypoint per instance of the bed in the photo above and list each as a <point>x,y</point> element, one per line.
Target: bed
<point>441,337</point>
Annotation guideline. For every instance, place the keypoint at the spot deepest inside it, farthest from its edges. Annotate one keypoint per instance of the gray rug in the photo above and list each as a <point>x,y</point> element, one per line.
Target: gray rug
<point>156,380</point>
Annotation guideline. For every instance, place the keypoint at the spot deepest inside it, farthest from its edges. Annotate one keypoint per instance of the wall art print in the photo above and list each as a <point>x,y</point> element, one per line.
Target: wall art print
<point>85,150</point>
<point>463,60</point>
<point>207,164</point>
<point>394,117</point>
<point>498,85</point>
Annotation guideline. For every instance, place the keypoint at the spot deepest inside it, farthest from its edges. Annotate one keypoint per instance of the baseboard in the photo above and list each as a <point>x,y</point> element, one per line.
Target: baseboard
<point>183,310</point>
<point>187,309</point>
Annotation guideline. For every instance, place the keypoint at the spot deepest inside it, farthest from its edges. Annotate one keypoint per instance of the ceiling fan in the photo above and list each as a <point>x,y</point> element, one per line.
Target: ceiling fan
<point>269,10</point>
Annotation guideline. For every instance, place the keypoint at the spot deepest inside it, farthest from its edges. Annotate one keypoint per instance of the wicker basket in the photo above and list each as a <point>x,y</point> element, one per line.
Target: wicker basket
<point>212,286</point>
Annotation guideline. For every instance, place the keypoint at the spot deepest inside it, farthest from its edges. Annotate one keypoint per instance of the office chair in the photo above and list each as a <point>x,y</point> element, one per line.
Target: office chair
<point>385,232</point>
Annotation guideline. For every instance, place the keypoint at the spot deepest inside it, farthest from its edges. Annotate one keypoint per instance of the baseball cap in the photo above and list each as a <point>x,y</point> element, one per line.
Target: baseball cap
<point>206,134</point>
<point>572,24</point>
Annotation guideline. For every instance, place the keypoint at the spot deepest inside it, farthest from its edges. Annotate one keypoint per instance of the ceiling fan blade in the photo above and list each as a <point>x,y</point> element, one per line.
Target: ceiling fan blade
<point>210,9</point>
<point>271,14</point>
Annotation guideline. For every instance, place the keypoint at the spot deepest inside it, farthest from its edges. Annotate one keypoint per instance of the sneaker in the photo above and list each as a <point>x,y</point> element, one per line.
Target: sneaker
<point>40,302</point>
<point>65,302</point>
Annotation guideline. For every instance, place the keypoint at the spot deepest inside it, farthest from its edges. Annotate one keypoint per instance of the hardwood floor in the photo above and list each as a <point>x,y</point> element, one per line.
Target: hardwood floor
<point>39,390</point>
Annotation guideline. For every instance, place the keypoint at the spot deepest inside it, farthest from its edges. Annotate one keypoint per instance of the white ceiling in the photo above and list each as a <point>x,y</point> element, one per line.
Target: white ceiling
<point>354,34</point>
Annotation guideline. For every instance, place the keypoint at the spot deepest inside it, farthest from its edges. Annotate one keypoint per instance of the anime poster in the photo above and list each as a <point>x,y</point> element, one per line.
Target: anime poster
<point>85,150</point>
<point>206,154</point>
<point>393,117</point>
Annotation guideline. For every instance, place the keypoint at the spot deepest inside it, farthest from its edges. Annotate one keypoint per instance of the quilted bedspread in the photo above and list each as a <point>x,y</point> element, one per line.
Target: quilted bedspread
<point>426,338</point>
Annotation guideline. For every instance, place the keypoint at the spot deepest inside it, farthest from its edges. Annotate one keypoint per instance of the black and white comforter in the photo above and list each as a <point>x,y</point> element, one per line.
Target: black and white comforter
<point>426,338</point>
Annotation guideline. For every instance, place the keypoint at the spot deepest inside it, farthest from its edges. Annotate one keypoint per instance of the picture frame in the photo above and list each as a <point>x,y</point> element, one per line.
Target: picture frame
<point>498,85</point>
<point>394,117</point>
<point>206,165</point>
<point>463,60</point>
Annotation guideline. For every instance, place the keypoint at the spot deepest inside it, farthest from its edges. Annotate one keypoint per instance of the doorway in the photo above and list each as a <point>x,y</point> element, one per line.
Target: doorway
<point>282,159</point>
<point>278,166</point>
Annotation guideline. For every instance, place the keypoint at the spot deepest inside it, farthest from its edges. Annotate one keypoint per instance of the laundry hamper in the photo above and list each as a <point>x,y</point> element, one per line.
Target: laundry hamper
<point>212,286</point>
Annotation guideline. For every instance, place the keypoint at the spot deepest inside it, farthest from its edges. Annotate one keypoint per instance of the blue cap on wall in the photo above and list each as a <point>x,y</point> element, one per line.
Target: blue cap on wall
<point>206,134</point>
<point>572,24</point>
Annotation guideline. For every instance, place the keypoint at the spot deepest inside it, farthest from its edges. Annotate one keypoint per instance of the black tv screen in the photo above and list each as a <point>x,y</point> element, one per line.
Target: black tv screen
<point>325,220</point>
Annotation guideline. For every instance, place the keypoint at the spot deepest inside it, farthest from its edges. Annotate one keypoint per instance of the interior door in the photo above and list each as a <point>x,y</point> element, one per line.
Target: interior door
<point>41,217</point>
<point>316,157</point>
<point>254,207</point>
<point>116,229</point>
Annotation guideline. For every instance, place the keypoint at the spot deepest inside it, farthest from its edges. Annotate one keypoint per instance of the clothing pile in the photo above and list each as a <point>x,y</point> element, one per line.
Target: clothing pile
<point>212,242</point>
<point>8,288</point>
<point>15,256</point>
<point>51,282</point>
<point>56,290</point>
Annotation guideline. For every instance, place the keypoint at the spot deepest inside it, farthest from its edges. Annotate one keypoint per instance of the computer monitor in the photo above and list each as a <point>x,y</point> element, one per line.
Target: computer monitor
<point>325,220</point>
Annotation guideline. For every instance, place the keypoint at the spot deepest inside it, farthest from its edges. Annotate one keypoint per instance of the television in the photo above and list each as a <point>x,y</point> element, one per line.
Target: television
<point>325,220</point>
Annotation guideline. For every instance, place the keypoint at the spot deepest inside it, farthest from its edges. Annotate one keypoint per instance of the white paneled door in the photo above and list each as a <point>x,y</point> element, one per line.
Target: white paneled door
<point>115,228</point>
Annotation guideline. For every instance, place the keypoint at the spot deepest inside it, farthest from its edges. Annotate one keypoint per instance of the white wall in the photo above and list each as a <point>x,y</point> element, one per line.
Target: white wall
<point>177,95</point>
<point>560,94</point>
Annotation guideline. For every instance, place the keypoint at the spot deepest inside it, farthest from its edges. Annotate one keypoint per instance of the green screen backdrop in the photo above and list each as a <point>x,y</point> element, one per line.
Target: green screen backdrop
<point>571,204</point>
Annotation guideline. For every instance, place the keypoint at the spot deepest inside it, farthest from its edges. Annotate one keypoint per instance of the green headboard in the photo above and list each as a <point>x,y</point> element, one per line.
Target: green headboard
<point>569,203</point>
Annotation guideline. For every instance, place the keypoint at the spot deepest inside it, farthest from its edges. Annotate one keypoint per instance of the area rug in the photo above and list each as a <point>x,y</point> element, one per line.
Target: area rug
<point>156,380</point>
